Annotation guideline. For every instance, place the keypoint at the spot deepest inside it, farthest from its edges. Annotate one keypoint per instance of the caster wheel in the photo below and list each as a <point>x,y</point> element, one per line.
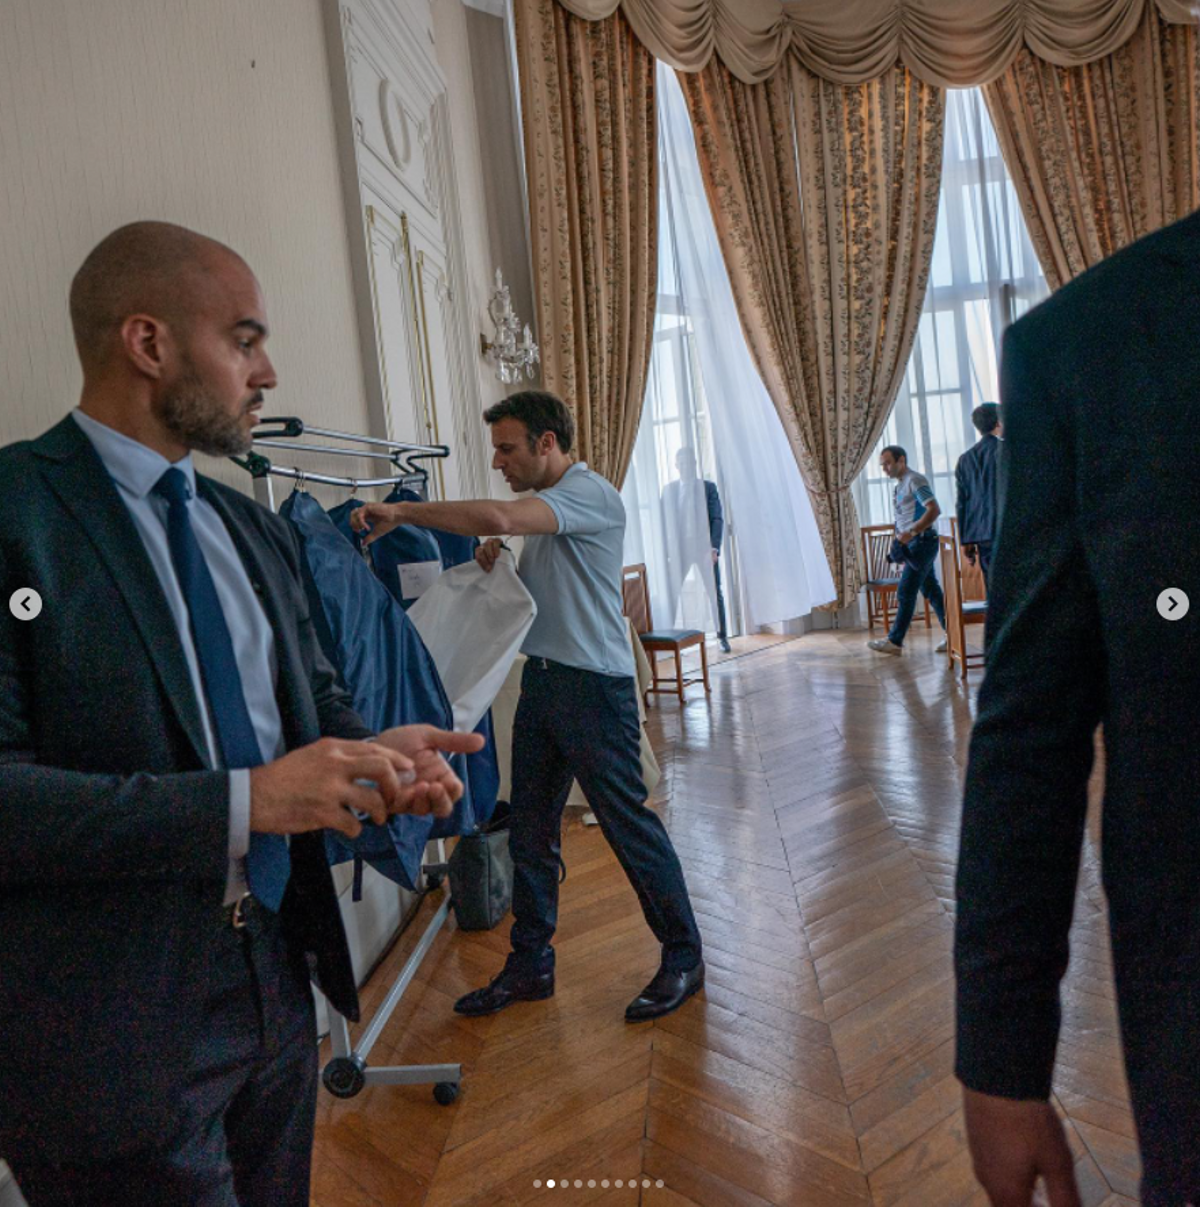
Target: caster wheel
<point>445,1092</point>
<point>434,881</point>
<point>342,1077</point>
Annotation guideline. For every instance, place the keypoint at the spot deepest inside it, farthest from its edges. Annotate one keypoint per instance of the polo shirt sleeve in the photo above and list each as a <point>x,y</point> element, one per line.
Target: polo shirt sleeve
<point>579,504</point>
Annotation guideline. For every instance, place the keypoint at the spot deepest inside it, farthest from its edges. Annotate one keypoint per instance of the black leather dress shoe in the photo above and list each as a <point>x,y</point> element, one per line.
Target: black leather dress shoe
<point>505,989</point>
<point>668,991</point>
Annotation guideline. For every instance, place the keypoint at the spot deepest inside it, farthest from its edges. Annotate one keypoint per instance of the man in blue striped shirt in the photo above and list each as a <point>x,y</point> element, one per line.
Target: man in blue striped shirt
<point>917,513</point>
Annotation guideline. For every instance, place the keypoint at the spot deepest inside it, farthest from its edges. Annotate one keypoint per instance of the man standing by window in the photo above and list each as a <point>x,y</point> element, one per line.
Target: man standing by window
<point>916,547</point>
<point>975,478</point>
<point>578,714</point>
<point>683,516</point>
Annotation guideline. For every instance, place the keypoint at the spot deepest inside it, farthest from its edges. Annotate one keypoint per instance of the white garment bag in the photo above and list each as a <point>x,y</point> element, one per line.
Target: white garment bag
<point>473,624</point>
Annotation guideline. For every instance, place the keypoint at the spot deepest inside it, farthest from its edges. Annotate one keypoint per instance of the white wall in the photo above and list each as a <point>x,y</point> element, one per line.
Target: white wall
<point>213,113</point>
<point>471,51</point>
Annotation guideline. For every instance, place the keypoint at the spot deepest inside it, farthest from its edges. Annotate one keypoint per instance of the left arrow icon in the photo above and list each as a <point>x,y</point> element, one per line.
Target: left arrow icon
<point>25,603</point>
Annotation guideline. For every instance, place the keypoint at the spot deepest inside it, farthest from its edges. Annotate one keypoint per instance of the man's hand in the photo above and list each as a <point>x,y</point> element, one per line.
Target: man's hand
<point>1013,1142</point>
<point>488,552</point>
<point>905,538</point>
<point>315,787</point>
<point>969,552</point>
<point>436,787</point>
<point>377,519</point>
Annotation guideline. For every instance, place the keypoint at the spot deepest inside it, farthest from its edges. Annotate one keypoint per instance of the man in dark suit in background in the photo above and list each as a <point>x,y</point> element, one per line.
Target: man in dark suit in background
<point>716,534</point>
<point>172,745</point>
<point>975,479</point>
<point>681,514</point>
<point>1101,530</point>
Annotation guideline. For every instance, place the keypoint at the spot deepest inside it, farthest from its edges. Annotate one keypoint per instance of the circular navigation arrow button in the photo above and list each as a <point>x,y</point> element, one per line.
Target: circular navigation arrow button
<point>1173,604</point>
<point>25,603</point>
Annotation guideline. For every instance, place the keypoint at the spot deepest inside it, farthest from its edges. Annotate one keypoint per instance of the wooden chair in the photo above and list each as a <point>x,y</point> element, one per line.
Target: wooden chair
<point>882,577</point>
<point>974,586</point>
<point>958,586</point>
<point>635,589</point>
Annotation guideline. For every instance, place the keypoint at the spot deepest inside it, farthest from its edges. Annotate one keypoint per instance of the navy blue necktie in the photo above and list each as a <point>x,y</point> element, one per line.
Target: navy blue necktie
<point>268,863</point>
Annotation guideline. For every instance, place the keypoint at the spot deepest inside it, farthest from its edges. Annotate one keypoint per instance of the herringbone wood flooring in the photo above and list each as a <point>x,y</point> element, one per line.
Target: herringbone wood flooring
<point>814,802</point>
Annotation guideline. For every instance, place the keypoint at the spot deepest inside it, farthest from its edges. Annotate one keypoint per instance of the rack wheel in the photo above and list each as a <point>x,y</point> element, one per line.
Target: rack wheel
<point>434,880</point>
<point>445,1092</point>
<point>343,1078</point>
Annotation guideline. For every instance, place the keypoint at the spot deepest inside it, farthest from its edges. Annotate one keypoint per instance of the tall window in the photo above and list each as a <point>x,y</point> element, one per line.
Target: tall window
<point>984,275</point>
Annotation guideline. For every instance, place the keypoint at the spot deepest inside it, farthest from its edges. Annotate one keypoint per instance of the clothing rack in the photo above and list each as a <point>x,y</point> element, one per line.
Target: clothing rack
<point>347,1073</point>
<point>284,432</point>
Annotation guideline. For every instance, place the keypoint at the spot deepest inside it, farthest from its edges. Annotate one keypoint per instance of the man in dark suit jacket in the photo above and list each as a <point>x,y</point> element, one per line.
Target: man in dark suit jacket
<point>681,515</point>
<point>1101,507</point>
<point>716,534</point>
<point>172,744</point>
<point>975,480</point>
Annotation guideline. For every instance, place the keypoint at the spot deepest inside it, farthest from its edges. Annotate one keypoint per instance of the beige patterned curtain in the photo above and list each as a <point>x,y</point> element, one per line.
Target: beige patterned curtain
<point>825,199</point>
<point>1104,153</point>
<point>591,151</point>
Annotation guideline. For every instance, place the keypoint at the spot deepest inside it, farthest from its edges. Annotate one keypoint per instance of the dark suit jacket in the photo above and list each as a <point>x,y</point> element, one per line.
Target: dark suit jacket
<point>113,832</point>
<point>1101,386</point>
<point>716,514</point>
<point>975,483</point>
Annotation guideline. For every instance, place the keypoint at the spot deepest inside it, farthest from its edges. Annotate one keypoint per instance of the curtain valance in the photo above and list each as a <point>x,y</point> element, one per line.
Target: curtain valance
<point>951,43</point>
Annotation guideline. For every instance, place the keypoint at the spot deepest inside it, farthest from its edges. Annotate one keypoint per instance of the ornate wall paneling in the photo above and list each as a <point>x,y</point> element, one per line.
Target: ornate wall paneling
<point>403,212</point>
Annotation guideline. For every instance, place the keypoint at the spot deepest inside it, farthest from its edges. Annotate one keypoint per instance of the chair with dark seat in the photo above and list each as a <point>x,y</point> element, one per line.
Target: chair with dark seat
<point>882,577</point>
<point>962,585</point>
<point>635,590</point>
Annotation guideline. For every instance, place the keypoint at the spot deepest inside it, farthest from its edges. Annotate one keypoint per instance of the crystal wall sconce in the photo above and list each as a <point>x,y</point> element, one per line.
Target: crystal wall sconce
<point>507,354</point>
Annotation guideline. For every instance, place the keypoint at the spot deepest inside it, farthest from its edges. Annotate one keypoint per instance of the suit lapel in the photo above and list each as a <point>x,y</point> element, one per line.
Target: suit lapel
<point>75,473</point>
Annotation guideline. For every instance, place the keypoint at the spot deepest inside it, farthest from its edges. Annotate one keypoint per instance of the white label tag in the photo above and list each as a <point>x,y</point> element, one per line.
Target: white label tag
<point>417,577</point>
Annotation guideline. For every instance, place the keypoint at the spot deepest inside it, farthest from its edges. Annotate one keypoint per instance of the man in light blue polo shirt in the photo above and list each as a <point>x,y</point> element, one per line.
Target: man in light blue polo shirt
<point>578,715</point>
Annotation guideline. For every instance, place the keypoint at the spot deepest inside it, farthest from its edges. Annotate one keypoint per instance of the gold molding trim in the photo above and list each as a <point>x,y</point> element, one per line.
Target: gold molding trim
<point>437,439</point>
<point>426,369</point>
<point>380,355</point>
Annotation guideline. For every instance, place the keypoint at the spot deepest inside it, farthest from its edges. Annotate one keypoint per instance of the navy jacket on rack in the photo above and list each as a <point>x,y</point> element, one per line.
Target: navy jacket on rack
<point>388,671</point>
<point>454,549</point>
<point>403,546</point>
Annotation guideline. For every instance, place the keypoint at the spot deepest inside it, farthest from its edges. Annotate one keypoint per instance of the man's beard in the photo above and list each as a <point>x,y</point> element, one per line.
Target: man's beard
<point>194,417</point>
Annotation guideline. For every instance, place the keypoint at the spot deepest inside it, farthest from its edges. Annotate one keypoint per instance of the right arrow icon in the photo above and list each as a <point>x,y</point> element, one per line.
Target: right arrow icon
<point>1173,604</point>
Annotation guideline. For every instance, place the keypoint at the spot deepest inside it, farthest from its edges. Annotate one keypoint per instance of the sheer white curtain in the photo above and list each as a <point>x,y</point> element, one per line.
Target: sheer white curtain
<point>705,395</point>
<point>667,514</point>
<point>985,274</point>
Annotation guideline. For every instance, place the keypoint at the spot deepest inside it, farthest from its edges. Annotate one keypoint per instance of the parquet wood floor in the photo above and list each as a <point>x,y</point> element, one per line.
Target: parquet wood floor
<point>814,801</point>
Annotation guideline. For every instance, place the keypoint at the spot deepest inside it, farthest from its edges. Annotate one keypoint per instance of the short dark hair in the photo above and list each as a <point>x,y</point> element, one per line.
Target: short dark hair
<point>896,451</point>
<point>540,412</point>
<point>986,418</point>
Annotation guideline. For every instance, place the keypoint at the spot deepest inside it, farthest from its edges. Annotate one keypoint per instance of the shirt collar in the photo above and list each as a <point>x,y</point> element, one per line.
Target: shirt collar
<point>134,466</point>
<point>581,466</point>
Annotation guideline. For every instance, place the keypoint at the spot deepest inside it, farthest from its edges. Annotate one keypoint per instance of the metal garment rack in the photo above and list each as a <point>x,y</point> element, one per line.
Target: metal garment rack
<point>285,433</point>
<point>347,1073</point>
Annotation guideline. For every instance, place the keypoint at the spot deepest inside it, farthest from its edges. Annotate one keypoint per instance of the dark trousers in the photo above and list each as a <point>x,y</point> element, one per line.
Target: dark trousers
<point>575,724</point>
<point>984,550</point>
<point>247,1111</point>
<point>722,630</point>
<point>918,576</point>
